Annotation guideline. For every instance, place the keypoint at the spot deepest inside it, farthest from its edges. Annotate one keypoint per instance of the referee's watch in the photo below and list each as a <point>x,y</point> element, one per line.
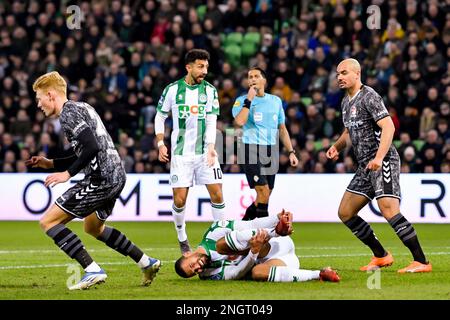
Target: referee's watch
<point>292,151</point>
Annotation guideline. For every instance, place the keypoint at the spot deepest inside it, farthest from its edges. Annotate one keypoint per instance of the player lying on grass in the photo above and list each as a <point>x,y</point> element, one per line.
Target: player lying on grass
<point>262,246</point>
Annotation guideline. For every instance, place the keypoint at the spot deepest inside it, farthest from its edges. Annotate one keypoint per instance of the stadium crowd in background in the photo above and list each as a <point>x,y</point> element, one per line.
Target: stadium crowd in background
<point>126,52</point>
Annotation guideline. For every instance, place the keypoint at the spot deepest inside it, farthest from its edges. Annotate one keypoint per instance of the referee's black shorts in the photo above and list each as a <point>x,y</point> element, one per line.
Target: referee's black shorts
<point>260,164</point>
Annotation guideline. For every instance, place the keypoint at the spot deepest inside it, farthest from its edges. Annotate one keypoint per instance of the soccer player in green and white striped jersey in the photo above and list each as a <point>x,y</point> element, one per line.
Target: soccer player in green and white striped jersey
<point>194,105</point>
<point>270,257</point>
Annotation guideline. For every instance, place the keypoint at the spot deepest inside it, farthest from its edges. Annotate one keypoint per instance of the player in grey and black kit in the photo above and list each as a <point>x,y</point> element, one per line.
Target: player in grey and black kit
<point>370,129</point>
<point>92,198</point>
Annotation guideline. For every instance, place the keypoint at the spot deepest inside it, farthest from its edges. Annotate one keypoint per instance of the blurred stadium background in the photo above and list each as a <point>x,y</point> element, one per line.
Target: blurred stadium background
<point>122,53</point>
<point>125,52</point>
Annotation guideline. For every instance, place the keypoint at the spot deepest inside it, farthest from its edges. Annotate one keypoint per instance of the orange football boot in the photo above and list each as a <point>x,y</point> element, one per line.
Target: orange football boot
<point>376,263</point>
<point>416,267</point>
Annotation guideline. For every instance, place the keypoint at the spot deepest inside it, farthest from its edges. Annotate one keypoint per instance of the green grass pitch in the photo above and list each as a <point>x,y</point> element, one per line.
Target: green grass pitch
<point>31,267</point>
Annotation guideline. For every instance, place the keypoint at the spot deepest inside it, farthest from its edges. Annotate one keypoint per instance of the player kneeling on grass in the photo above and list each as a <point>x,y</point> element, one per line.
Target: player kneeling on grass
<point>270,257</point>
<point>92,198</point>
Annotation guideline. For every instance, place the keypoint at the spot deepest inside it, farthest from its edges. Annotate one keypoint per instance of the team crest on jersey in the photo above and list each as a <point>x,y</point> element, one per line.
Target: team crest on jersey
<point>202,98</point>
<point>174,178</point>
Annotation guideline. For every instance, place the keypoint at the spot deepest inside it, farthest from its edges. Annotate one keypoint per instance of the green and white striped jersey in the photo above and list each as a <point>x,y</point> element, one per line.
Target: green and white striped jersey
<point>215,269</point>
<point>189,106</point>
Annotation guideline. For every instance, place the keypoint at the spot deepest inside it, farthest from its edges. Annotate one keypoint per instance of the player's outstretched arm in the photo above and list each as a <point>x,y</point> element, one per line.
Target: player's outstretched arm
<point>39,162</point>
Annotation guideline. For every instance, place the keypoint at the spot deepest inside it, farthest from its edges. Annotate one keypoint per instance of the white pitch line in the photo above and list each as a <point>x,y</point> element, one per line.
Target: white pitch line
<point>164,262</point>
<point>364,254</point>
<point>300,248</point>
<point>90,250</point>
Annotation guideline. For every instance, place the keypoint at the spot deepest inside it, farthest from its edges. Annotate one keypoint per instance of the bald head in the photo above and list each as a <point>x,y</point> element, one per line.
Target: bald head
<point>350,63</point>
<point>348,74</point>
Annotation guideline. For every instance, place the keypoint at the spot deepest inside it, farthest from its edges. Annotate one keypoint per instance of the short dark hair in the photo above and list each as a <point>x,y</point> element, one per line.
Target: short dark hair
<point>195,54</point>
<point>178,268</point>
<point>263,73</point>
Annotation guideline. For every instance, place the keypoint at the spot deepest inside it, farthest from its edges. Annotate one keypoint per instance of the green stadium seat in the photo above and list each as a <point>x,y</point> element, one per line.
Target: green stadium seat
<point>233,54</point>
<point>201,11</point>
<point>248,50</point>
<point>234,38</point>
<point>252,37</point>
<point>306,101</point>
<point>397,143</point>
<point>418,144</point>
<point>318,145</point>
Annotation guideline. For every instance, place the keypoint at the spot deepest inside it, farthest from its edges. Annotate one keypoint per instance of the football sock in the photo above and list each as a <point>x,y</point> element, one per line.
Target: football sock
<point>261,210</point>
<point>93,267</point>
<point>119,242</point>
<point>69,242</point>
<point>405,231</point>
<point>286,274</point>
<point>180,225</point>
<point>250,213</point>
<point>144,261</point>
<point>364,232</point>
<point>260,223</point>
<point>218,211</point>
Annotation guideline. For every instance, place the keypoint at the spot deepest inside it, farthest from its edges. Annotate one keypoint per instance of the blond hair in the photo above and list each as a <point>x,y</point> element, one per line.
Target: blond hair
<point>51,80</point>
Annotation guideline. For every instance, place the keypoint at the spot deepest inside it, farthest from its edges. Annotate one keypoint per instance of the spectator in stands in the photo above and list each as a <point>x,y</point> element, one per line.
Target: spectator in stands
<point>127,54</point>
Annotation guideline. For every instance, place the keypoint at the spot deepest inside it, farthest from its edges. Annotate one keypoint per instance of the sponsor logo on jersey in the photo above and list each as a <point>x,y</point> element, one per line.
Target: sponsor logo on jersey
<point>353,124</point>
<point>184,111</point>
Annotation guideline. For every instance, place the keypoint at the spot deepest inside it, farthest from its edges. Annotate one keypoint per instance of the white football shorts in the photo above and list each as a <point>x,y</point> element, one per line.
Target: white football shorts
<point>184,170</point>
<point>282,248</point>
